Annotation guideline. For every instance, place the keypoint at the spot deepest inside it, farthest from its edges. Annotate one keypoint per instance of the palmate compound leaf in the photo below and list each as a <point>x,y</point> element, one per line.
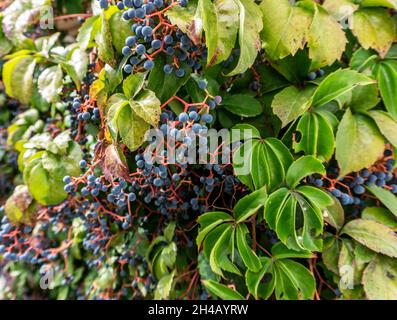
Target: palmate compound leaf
<point>289,279</point>
<point>290,103</point>
<point>358,142</point>
<point>131,119</point>
<point>297,216</point>
<point>260,163</point>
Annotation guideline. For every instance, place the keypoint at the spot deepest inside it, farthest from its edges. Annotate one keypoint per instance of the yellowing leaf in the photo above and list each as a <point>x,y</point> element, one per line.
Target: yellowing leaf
<point>248,38</point>
<point>286,28</point>
<point>374,28</point>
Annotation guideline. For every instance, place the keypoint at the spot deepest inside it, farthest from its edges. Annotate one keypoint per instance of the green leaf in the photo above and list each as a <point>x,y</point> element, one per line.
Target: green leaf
<point>165,85</point>
<point>18,77</point>
<point>286,28</point>
<point>131,127</point>
<point>326,40</point>
<point>104,43</point>
<point>220,22</point>
<point>302,168</point>
<point>358,143</point>
<point>386,197</point>
<point>363,59</point>
<point>163,289</point>
<point>330,254</point>
<point>392,4</point>
<point>248,37</point>
<point>249,205</point>
<point>147,106</point>
<point>280,251</point>
<point>293,281</point>
<point>87,32</point>
<point>220,249</point>
<point>380,279</point>
<point>386,124</point>
<point>120,29</point>
<point>387,78</point>
<point>290,103</point>
<point>242,105</point>
<point>50,83</point>
<point>221,291</point>
<point>334,214</point>
<point>133,84</point>
<point>249,257</point>
<point>316,136</point>
<point>374,28</point>
<point>281,211</point>
<point>255,280</point>
<point>209,221</point>
<point>363,98</point>
<point>188,19</point>
<point>381,215</point>
<point>373,235</point>
<point>338,83</point>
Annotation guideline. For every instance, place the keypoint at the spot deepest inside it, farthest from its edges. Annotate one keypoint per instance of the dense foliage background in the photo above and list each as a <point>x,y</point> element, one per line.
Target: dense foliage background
<point>86,216</point>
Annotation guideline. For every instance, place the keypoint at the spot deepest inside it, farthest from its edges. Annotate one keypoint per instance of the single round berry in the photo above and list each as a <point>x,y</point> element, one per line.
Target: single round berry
<point>180,73</point>
<point>156,44</point>
<point>202,84</point>
<point>148,65</point>
<point>140,49</point>
<point>131,41</point>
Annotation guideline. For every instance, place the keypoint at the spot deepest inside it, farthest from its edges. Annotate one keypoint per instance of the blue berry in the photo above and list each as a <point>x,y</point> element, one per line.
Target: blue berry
<point>156,44</point>
<point>148,65</point>
<point>120,5</point>
<point>126,51</point>
<point>147,31</point>
<point>183,117</point>
<point>158,3</point>
<point>394,188</point>
<point>183,3</point>
<point>337,193</point>
<point>66,179</point>
<point>180,73</point>
<point>131,197</point>
<point>83,164</point>
<point>138,3</point>
<point>128,68</point>
<point>207,118</point>
<point>140,49</point>
<point>168,40</point>
<point>318,182</point>
<point>359,190</point>
<point>167,69</point>
<point>131,41</point>
<point>202,84</point>
<point>312,76</point>
<point>104,4</point>
<point>140,13</point>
